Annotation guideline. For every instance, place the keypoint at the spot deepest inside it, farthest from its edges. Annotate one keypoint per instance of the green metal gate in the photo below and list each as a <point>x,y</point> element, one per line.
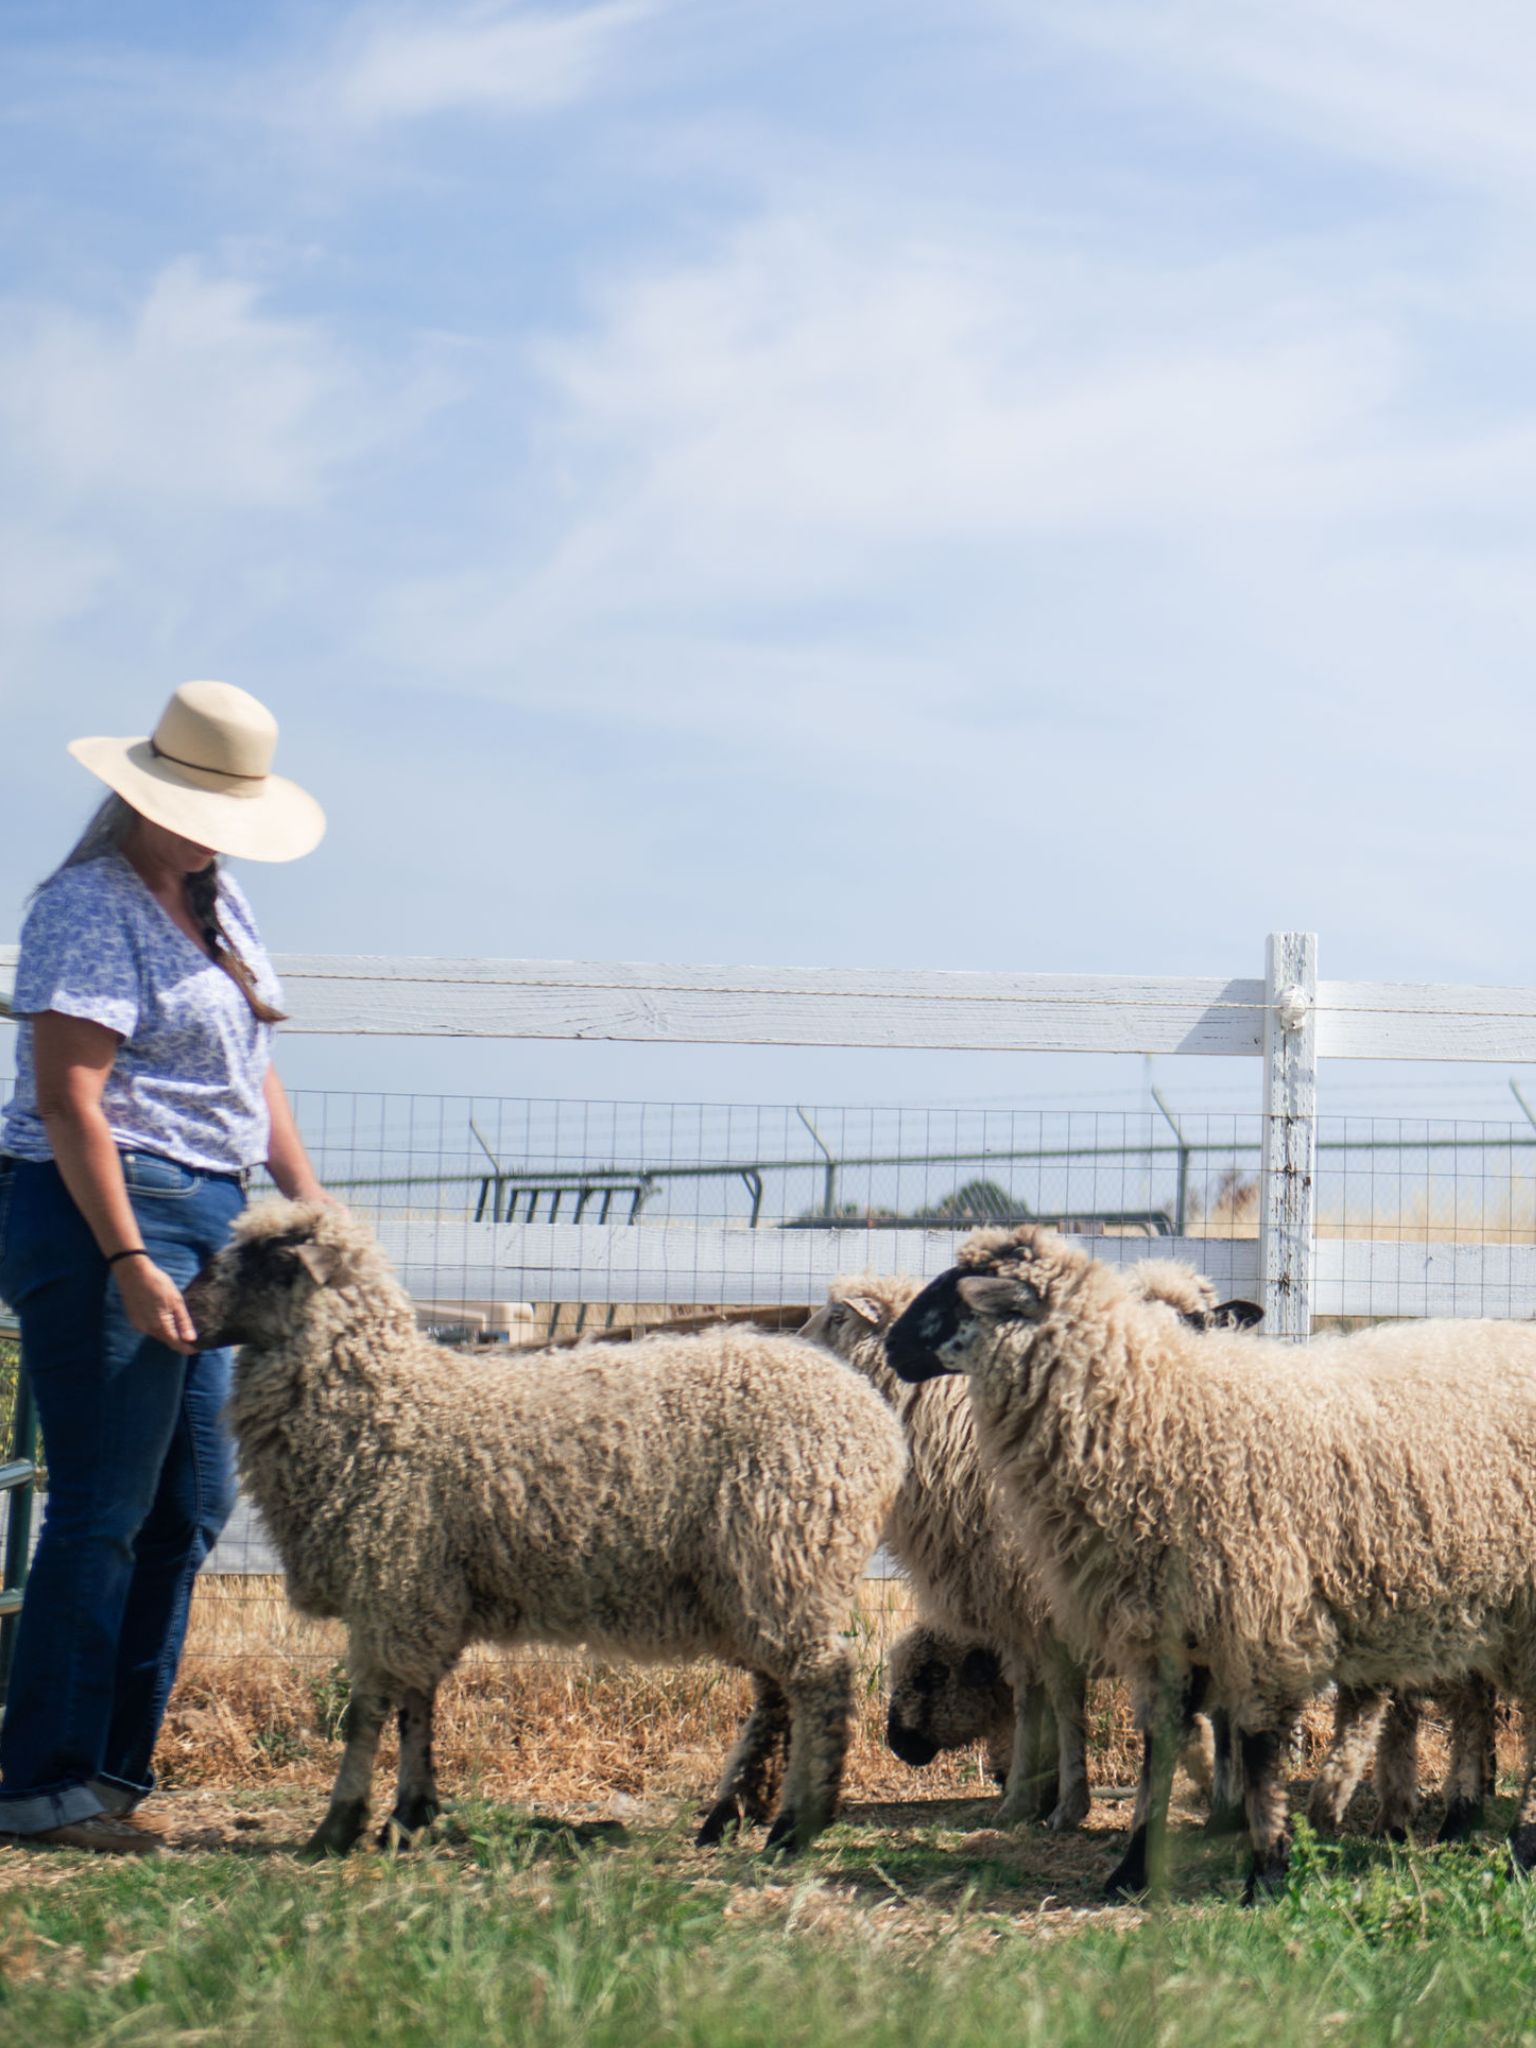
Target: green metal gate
<point>17,1484</point>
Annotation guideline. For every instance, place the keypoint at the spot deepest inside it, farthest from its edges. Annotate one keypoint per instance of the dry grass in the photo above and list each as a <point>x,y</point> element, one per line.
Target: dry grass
<point>1491,1210</point>
<point>260,1698</point>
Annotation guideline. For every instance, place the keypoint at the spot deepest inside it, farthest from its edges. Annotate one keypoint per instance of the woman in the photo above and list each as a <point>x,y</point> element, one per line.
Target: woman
<point>144,1094</point>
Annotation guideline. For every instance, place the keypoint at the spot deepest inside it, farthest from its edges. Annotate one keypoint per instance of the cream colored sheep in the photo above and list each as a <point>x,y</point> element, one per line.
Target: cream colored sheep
<point>1356,1510</point>
<point>1391,1720</point>
<point>970,1571</point>
<point>709,1496</point>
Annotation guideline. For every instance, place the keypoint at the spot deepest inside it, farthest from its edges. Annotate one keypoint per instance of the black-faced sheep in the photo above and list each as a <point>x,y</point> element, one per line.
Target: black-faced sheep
<point>713,1496</point>
<point>971,1572</point>
<point>947,1694</point>
<point>1356,1510</point>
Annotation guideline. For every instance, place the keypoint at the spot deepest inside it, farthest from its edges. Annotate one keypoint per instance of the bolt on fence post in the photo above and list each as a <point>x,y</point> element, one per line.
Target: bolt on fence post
<point>1287,1169</point>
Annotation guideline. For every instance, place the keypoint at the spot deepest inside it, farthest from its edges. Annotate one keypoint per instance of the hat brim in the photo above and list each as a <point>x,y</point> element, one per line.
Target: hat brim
<point>275,821</point>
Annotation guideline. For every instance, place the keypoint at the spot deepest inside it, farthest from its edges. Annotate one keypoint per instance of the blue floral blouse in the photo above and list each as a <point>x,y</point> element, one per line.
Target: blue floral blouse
<point>187,1081</point>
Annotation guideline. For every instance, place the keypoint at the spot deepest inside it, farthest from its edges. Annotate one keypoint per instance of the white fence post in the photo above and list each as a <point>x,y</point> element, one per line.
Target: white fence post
<point>1287,1171</point>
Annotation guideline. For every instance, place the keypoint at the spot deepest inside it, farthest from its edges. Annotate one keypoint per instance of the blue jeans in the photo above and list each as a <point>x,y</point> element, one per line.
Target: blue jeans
<point>140,1482</point>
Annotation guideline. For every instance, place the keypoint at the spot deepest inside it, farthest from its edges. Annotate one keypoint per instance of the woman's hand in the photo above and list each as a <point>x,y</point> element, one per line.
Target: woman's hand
<point>153,1304</point>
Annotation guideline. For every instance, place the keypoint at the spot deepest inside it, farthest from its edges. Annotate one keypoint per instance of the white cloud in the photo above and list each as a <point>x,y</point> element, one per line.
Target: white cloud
<point>403,65</point>
<point>831,418</point>
<point>198,396</point>
<point>1446,91</point>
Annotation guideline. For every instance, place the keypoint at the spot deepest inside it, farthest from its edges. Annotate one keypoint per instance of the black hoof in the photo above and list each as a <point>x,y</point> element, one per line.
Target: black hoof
<point>723,1818</point>
<point>1266,1879</point>
<point>784,1835</point>
<point>1395,1834</point>
<point>1128,1879</point>
<point>1522,1847</point>
<point>1463,1817</point>
<point>407,1825</point>
<point>338,1833</point>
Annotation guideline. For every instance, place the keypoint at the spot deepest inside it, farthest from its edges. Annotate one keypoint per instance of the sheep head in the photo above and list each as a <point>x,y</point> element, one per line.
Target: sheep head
<point>946,1694</point>
<point>1005,1279</point>
<point>1190,1295</point>
<point>280,1256</point>
<point>856,1309</point>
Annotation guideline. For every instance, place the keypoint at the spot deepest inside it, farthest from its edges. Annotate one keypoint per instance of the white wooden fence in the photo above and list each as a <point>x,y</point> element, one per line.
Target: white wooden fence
<point>1288,1021</point>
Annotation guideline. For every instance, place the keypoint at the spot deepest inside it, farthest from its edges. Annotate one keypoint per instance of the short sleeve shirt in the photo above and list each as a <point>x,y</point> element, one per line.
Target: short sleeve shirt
<point>188,1078</point>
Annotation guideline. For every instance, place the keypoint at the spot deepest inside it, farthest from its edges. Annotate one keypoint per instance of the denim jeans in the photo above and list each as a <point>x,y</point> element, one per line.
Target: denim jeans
<point>140,1482</point>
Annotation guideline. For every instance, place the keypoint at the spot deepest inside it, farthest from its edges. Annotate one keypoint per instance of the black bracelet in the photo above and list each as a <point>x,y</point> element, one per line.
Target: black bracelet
<point>134,1251</point>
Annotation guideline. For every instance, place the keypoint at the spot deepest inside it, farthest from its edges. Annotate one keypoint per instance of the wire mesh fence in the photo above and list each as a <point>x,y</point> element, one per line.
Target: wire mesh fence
<point>478,1198</point>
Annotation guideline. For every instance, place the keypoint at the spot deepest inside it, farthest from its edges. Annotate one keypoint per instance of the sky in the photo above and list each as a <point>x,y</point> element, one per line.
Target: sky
<point>1036,484</point>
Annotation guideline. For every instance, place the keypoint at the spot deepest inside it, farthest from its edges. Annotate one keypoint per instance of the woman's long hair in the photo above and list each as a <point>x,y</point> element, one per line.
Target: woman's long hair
<point>107,831</point>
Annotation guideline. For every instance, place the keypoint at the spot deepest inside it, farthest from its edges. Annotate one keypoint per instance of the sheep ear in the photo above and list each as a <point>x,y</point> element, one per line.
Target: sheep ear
<point>865,1308</point>
<point>318,1261</point>
<point>1236,1315</point>
<point>989,1294</point>
<point>980,1667</point>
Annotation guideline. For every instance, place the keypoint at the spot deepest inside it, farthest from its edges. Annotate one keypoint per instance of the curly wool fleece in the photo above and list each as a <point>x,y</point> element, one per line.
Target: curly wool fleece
<point>717,1495</point>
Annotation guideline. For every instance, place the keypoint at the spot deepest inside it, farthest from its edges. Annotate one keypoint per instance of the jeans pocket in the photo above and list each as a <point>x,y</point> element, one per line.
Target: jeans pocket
<point>147,1173</point>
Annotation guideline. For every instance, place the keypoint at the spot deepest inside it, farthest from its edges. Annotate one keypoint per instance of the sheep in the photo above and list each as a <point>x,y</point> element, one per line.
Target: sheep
<point>715,1495</point>
<point>971,1573</point>
<point>1357,1510</point>
<point>1392,1719</point>
<point>947,1693</point>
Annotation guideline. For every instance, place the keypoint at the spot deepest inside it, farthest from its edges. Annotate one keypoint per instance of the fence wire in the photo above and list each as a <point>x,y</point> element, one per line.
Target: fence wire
<point>471,1192</point>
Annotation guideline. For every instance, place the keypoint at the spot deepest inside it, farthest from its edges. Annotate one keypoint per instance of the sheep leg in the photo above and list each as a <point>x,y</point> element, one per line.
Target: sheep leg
<point>1030,1788</point>
<point>820,1716</point>
<point>1358,1713</point>
<point>347,1814</point>
<point>416,1803</point>
<point>754,1767</point>
<point>1397,1768</point>
<point>1263,1754</point>
<point>1226,1793</point>
<point>1197,1759</point>
<point>1066,1685</point>
<point>1470,1779</point>
<point>1522,1839</point>
<point>1167,1706</point>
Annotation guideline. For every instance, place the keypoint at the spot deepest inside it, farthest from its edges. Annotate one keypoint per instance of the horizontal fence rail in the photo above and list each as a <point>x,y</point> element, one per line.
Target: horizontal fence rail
<point>649,1003</point>
<point>594,1237</point>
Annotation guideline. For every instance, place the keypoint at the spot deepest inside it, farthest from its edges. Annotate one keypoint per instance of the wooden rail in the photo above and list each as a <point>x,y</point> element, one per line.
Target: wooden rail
<point>358,994</point>
<point>1290,1021</point>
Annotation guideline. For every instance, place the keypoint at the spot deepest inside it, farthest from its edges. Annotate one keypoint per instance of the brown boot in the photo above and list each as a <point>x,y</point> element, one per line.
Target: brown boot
<point>98,1831</point>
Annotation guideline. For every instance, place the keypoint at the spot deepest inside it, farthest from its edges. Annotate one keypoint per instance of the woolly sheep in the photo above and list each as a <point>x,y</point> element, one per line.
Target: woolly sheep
<point>971,1573</point>
<point>947,1693</point>
<point>1358,1509</point>
<point>716,1495</point>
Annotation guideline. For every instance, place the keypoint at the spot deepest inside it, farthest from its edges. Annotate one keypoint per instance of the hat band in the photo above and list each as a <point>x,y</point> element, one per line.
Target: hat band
<point>215,775</point>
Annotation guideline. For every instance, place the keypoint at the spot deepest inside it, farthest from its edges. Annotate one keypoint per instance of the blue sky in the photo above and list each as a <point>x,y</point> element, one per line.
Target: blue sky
<point>1034,483</point>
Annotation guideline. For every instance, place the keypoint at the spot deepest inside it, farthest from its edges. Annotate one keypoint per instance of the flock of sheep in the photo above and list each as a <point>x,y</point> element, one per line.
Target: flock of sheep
<point>1082,1468</point>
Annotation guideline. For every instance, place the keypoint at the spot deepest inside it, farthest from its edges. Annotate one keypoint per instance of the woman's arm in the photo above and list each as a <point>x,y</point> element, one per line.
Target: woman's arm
<point>287,1161</point>
<point>72,1058</point>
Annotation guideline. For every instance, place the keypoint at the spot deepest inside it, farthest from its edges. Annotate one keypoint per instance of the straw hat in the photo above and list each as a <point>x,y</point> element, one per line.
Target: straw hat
<point>205,772</point>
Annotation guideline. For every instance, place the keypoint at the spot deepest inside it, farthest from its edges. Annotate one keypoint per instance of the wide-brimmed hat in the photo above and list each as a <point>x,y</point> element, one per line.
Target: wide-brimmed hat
<point>206,772</point>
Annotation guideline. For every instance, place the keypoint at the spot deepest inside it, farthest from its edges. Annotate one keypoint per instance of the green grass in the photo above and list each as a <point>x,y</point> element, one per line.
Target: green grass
<point>10,1368</point>
<point>513,1931</point>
